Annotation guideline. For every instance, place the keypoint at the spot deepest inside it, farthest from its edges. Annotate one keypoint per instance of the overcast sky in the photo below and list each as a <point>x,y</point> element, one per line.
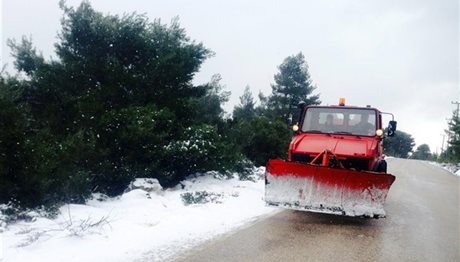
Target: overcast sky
<point>398,56</point>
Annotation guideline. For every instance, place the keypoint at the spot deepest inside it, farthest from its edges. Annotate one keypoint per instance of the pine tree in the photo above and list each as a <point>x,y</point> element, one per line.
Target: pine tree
<point>452,153</point>
<point>422,152</point>
<point>292,85</point>
<point>208,107</point>
<point>119,92</point>
<point>246,108</point>
<point>399,145</point>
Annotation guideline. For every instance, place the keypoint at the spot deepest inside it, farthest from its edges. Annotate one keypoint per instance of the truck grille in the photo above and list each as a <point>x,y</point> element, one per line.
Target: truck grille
<point>349,163</point>
<point>303,158</point>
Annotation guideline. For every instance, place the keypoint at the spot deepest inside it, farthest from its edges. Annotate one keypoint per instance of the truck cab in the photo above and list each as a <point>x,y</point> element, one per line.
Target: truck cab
<point>353,134</point>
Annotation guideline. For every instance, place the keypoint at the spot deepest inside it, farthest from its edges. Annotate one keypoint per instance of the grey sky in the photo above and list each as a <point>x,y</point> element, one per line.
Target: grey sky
<point>399,56</point>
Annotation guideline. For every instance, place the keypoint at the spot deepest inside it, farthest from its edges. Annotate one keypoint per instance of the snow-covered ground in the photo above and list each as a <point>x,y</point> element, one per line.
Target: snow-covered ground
<point>452,168</point>
<point>144,224</point>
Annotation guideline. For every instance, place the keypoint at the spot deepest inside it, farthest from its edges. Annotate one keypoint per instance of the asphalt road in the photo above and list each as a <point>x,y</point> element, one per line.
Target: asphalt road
<point>422,224</point>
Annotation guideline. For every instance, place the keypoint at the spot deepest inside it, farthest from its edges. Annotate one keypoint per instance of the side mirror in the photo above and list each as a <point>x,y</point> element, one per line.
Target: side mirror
<point>301,105</point>
<point>391,128</point>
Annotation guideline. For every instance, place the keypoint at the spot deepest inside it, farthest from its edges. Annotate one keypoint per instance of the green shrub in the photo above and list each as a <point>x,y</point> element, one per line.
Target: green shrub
<point>130,144</point>
<point>261,139</point>
<point>198,150</point>
<point>201,197</point>
<point>17,179</point>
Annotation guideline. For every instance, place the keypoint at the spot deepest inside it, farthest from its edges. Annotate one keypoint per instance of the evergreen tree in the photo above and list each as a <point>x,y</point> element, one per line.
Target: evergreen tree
<point>400,145</point>
<point>422,152</point>
<point>15,180</point>
<point>208,107</point>
<point>118,95</point>
<point>292,85</point>
<point>262,108</point>
<point>452,152</point>
<point>246,108</point>
<point>261,139</point>
<point>26,57</point>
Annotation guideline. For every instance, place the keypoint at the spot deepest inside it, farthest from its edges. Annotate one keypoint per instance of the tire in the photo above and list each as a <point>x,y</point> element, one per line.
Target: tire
<point>380,166</point>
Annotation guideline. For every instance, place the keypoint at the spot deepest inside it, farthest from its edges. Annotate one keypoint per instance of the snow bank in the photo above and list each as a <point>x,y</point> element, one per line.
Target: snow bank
<point>452,168</point>
<point>144,224</point>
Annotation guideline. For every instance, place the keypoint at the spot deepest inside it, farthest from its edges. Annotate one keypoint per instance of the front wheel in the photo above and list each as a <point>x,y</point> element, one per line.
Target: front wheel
<point>380,166</point>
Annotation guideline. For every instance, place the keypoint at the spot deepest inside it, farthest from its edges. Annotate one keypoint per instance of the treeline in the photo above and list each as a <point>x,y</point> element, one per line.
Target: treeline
<point>451,153</point>
<point>402,145</point>
<point>118,102</point>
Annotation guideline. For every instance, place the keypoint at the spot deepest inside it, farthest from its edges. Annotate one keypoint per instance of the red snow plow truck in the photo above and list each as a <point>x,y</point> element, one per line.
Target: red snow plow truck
<point>335,163</point>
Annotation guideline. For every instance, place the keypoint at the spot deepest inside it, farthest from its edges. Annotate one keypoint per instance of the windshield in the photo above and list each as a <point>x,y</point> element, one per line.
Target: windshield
<point>352,121</point>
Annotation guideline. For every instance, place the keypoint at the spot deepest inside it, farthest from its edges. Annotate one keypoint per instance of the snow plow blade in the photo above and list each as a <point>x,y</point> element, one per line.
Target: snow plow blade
<point>323,189</point>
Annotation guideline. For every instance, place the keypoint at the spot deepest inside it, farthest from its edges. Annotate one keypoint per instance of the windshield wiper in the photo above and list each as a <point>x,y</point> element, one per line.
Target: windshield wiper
<point>342,132</point>
<point>317,131</point>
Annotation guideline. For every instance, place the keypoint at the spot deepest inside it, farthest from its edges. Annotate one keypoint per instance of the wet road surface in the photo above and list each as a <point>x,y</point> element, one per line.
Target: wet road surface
<point>422,224</point>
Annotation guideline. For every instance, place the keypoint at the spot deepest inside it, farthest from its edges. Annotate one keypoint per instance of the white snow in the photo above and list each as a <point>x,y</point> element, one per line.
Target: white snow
<point>452,168</point>
<point>1,246</point>
<point>144,224</point>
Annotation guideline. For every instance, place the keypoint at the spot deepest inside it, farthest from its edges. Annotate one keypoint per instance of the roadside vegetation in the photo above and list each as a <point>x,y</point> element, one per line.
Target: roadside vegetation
<point>118,102</point>
<point>402,145</point>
